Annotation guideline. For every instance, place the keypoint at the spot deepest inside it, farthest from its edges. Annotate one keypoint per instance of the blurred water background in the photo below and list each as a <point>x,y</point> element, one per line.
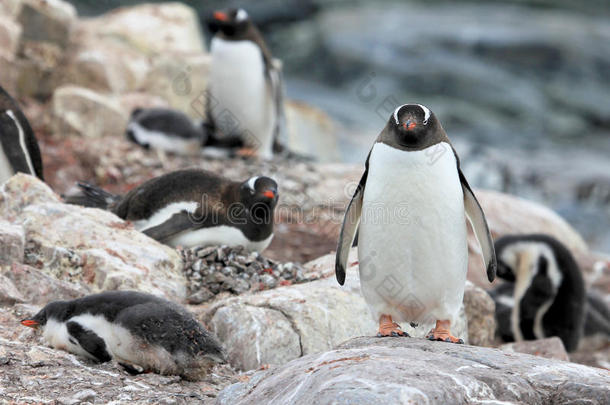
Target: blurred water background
<point>522,87</point>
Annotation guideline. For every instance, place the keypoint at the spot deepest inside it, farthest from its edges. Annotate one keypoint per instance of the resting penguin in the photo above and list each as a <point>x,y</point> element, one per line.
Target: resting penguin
<point>410,208</point>
<point>174,132</point>
<point>165,129</point>
<point>139,331</point>
<point>546,293</point>
<point>245,91</point>
<point>195,208</point>
<point>18,146</point>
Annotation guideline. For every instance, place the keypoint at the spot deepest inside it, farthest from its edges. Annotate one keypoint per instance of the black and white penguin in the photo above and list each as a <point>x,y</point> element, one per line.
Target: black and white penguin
<point>195,208</point>
<point>139,331</point>
<point>165,129</point>
<point>245,91</point>
<point>173,131</point>
<point>410,208</point>
<point>19,150</point>
<point>545,295</point>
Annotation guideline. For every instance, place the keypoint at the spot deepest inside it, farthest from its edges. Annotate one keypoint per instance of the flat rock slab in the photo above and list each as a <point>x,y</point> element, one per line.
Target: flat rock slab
<point>402,370</point>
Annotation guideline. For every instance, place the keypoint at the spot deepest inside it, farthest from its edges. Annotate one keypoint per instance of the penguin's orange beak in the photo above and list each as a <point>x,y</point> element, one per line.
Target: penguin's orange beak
<point>409,125</point>
<point>269,194</point>
<point>220,16</point>
<point>30,323</point>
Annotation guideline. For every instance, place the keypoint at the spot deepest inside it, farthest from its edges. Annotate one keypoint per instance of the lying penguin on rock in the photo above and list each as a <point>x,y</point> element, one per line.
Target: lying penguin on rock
<point>410,209</point>
<point>194,208</point>
<point>545,293</point>
<point>174,132</point>
<point>139,331</point>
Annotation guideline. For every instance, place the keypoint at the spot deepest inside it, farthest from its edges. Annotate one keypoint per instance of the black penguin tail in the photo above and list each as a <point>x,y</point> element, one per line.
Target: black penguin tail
<point>93,197</point>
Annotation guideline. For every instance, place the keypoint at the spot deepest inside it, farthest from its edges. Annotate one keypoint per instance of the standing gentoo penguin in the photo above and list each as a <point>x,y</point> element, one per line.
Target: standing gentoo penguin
<point>140,331</point>
<point>195,208</point>
<point>245,85</point>
<point>410,210</point>
<point>546,293</point>
<point>19,150</point>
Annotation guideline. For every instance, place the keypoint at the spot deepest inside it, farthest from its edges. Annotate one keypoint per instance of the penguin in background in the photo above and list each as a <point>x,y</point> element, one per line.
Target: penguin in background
<point>245,91</point>
<point>410,210</point>
<point>19,152</point>
<point>194,208</point>
<point>174,132</point>
<point>165,129</point>
<point>139,331</point>
<point>545,293</point>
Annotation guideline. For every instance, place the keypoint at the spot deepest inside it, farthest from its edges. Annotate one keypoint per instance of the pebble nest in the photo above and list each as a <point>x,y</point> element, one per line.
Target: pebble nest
<point>212,270</point>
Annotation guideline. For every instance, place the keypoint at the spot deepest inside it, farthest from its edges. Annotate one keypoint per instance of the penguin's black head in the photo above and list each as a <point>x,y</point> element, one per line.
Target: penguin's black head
<point>412,123</point>
<point>259,190</point>
<point>59,310</point>
<point>230,22</point>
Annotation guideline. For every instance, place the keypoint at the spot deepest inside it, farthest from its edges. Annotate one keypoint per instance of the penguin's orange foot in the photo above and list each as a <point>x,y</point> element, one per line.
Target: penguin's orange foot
<point>246,152</point>
<point>389,328</point>
<point>441,333</point>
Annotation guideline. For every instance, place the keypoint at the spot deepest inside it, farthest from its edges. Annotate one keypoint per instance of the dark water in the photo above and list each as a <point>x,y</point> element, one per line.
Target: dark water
<point>522,87</point>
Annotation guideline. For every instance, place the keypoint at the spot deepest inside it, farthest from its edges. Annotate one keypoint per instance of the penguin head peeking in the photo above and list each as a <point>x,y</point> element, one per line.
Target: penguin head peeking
<point>259,193</point>
<point>59,310</point>
<point>230,22</point>
<point>411,123</point>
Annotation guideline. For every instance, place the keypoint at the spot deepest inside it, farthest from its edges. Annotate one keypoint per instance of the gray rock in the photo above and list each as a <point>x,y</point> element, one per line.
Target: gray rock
<point>49,21</point>
<point>12,243</point>
<point>83,112</point>
<point>30,373</point>
<point>480,311</point>
<point>89,246</point>
<point>38,288</point>
<point>321,314</point>
<point>551,348</point>
<point>9,294</point>
<point>400,370</point>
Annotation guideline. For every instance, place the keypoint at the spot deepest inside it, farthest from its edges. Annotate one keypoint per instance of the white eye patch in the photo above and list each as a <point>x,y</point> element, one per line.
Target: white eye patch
<point>241,15</point>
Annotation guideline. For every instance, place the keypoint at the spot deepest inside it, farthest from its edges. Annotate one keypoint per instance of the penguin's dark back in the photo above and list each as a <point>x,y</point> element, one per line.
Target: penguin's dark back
<point>167,121</point>
<point>181,185</point>
<point>169,326</point>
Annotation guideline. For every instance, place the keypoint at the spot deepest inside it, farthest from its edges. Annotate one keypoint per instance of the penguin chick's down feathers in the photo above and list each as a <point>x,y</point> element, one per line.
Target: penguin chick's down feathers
<point>139,330</point>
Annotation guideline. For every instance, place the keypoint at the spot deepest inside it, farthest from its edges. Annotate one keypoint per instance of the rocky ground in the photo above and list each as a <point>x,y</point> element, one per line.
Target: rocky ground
<point>284,321</point>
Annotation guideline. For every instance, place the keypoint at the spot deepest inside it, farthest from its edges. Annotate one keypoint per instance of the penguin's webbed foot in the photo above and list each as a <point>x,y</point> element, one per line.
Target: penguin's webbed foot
<point>132,369</point>
<point>389,328</point>
<point>441,333</point>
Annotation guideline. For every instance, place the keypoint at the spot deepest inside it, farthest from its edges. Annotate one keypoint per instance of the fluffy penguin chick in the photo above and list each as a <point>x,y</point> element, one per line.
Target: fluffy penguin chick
<point>245,91</point>
<point>545,295</point>
<point>410,208</point>
<point>19,150</point>
<point>195,208</point>
<point>140,331</point>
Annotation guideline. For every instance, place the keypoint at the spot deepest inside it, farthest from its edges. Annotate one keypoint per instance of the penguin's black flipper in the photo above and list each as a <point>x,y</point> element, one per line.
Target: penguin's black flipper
<point>597,315</point>
<point>479,226</point>
<point>350,226</point>
<point>176,224</point>
<point>93,197</point>
<point>89,341</point>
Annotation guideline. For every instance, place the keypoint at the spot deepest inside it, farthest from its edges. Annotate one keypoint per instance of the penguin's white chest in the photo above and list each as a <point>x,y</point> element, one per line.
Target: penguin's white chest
<point>412,244</point>
<point>241,101</point>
